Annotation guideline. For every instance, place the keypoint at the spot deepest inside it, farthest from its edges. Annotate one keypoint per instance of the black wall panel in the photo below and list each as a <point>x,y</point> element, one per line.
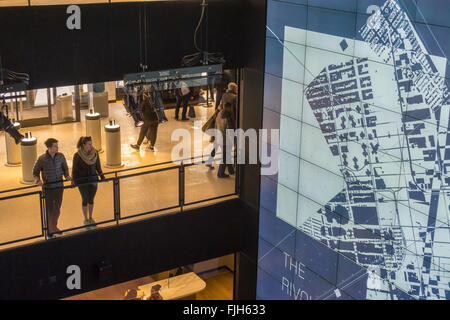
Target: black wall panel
<point>227,29</point>
<point>125,39</point>
<point>93,48</point>
<point>37,41</point>
<point>171,33</point>
<point>252,86</point>
<point>54,46</point>
<point>16,38</point>
<point>254,17</point>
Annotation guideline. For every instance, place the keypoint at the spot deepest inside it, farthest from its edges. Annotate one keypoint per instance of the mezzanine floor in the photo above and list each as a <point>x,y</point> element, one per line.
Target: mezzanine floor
<point>20,217</point>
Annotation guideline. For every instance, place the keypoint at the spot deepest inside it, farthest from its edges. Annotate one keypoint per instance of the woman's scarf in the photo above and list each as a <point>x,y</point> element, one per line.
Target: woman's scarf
<point>90,158</point>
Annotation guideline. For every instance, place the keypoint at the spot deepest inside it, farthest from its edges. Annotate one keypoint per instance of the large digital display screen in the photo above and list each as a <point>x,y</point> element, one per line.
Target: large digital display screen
<point>360,205</point>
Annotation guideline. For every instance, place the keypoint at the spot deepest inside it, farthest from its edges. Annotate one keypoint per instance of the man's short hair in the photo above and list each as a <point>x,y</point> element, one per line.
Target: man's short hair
<point>50,141</point>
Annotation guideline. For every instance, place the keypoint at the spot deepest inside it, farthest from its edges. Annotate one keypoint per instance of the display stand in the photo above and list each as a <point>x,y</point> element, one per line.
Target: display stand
<point>183,287</point>
<point>28,150</point>
<point>93,129</point>
<point>113,146</point>
<point>100,102</point>
<point>110,87</point>
<point>12,150</point>
<point>84,100</point>
<point>64,110</point>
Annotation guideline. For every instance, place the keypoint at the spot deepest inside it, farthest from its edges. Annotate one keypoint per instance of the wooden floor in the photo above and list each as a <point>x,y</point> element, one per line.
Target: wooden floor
<point>219,286</point>
<point>20,218</point>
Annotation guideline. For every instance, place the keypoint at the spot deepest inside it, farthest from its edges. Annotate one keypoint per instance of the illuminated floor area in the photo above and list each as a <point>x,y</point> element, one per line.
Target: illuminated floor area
<point>68,135</point>
<point>20,217</point>
<point>219,286</point>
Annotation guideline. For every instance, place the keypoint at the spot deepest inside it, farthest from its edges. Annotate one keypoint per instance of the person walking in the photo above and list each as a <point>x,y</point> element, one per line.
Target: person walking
<point>52,165</point>
<point>226,119</point>
<point>178,97</point>
<point>85,172</point>
<point>182,95</point>
<point>150,126</point>
<point>159,105</point>
<point>210,86</point>
<point>211,124</point>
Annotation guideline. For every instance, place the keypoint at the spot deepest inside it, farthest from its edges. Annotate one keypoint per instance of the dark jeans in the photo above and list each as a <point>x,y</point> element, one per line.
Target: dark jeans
<point>161,114</point>
<point>183,102</point>
<point>150,130</point>
<point>211,83</point>
<point>210,160</point>
<point>53,205</point>
<point>211,91</point>
<point>133,109</point>
<point>88,192</point>
<point>219,96</point>
<point>221,171</point>
<point>152,133</point>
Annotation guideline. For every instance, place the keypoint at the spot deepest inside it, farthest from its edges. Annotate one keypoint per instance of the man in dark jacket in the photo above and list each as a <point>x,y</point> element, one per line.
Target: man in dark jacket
<point>53,167</point>
<point>150,126</point>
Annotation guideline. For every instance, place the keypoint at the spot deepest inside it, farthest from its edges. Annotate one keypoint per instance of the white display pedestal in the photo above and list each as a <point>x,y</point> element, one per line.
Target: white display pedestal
<point>110,87</point>
<point>100,103</point>
<point>84,99</point>
<point>183,287</point>
<point>13,155</point>
<point>28,150</point>
<point>93,130</point>
<point>113,147</point>
<point>64,110</point>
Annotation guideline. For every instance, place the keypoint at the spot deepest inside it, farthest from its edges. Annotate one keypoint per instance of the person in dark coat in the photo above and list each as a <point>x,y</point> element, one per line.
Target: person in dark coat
<point>150,126</point>
<point>226,119</point>
<point>53,166</point>
<point>86,169</point>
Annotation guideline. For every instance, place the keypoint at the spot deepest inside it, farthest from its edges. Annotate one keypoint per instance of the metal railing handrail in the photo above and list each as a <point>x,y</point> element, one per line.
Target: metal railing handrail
<point>114,172</point>
<point>116,195</point>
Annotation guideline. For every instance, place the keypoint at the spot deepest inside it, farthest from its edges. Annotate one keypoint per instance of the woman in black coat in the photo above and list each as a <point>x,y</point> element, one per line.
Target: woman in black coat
<point>86,169</point>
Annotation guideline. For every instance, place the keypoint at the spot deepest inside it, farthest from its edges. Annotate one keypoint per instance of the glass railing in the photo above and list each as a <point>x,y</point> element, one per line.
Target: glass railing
<point>26,214</point>
<point>21,217</point>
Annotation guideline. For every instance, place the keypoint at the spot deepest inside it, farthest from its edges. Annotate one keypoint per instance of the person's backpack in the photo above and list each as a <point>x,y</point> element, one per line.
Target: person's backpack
<point>148,104</point>
<point>211,123</point>
<point>191,112</point>
<point>184,89</point>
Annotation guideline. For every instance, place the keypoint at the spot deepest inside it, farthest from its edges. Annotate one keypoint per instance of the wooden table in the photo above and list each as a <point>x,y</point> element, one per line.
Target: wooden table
<point>180,287</point>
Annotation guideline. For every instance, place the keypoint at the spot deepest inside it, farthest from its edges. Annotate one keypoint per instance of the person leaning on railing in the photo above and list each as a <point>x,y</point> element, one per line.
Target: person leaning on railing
<point>52,165</point>
<point>85,171</point>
